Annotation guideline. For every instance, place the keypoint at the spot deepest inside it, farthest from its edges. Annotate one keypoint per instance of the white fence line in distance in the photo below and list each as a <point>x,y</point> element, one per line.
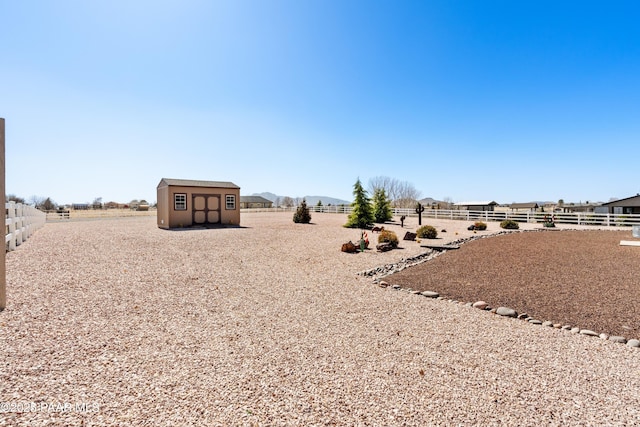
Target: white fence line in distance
<point>21,221</point>
<point>577,218</point>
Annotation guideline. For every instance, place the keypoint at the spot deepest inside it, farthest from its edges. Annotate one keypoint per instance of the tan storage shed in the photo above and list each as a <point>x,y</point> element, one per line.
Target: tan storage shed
<point>187,203</point>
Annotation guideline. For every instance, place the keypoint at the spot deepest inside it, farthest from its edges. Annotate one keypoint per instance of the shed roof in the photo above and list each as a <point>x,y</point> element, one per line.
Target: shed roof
<point>195,183</point>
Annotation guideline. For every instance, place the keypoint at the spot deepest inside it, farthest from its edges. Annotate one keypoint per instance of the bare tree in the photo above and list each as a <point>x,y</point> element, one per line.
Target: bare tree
<point>401,193</point>
<point>14,198</point>
<point>287,202</point>
<point>97,203</point>
<point>42,203</point>
<point>36,201</point>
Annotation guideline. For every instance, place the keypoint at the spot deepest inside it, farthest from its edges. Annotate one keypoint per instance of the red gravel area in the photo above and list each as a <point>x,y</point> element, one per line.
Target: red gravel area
<point>578,278</point>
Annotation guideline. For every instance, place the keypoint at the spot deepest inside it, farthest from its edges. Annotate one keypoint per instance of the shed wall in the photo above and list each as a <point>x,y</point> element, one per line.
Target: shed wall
<point>169,217</point>
<point>163,207</point>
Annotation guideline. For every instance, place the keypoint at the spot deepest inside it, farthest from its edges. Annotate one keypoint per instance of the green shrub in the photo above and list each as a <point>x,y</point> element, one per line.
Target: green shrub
<point>388,236</point>
<point>381,206</point>
<point>302,215</point>
<point>361,215</point>
<point>509,224</point>
<point>427,232</point>
<point>479,225</point>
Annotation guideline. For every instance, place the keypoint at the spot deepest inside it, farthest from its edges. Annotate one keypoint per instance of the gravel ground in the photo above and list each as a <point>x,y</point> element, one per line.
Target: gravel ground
<point>579,278</point>
<point>270,324</point>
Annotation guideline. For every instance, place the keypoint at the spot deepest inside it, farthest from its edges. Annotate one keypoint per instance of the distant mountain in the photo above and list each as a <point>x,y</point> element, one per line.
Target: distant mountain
<point>430,201</point>
<point>311,200</point>
<point>267,195</point>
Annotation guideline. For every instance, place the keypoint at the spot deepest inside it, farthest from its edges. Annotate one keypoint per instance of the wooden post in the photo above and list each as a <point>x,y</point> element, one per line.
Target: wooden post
<point>3,267</point>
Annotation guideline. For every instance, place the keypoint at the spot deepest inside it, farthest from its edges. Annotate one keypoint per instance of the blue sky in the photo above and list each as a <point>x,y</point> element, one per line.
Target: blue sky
<point>511,101</point>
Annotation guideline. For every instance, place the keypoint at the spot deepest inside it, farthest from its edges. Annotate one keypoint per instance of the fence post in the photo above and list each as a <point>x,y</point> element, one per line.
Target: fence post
<point>3,267</point>
<point>20,224</point>
<point>11,213</point>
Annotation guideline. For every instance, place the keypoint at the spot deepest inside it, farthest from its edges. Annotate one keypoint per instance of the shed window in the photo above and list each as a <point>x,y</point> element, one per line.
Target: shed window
<point>231,202</point>
<point>180,202</point>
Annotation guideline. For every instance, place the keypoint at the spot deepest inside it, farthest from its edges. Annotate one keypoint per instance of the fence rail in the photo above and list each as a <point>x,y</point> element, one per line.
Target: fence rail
<point>53,216</point>
<point>21,221</point>
<point>577,218</point>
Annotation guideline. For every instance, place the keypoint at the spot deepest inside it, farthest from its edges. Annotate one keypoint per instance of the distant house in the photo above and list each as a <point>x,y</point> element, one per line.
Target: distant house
<point>579,207</point>
<point>113,205</point>
<point>528,207</point>
<point>255,202</point>
<point>630,205</point>
<point>186,203</point>
<point>475,206</point>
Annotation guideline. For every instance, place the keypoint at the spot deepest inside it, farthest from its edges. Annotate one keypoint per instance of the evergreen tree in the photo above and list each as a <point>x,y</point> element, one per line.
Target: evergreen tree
<point>302,214</point>
<point>361,215</point>
<point>381,206</point>
<point>47,205</point>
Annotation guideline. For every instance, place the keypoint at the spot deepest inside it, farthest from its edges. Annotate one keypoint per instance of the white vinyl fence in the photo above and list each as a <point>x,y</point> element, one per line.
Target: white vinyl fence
<point>578,218</point>
<point>21,221</point>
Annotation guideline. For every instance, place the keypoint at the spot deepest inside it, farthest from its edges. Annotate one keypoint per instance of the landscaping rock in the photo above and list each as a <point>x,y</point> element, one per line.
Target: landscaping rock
<point>588,332</point>
<point>535,321</point>
<point>384,247</point>
<point>618,339</point>
<point>349,247</point>
<point>633,343</point>
<point>547,323</point>
<point>507,312</point>
<point>430,294</point>
<point>409,236</point>
<point>480,304</point>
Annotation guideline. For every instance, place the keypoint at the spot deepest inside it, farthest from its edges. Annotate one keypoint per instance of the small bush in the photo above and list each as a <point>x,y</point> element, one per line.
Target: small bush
<point>388,236</point>
<point>509,224</point>
<point>479,225</point>
<point>302,215</point>
<point>427,232</point>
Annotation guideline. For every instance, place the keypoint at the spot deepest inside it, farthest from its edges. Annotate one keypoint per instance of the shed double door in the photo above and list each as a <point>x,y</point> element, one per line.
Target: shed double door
<point>206,209</point>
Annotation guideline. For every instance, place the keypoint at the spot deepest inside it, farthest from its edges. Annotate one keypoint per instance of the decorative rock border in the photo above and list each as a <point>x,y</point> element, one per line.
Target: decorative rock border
<point>388,269</point>
<point>378,273</point>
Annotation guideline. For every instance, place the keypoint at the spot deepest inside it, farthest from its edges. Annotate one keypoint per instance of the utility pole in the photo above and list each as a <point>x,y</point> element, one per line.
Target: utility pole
<point>3,267</point>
